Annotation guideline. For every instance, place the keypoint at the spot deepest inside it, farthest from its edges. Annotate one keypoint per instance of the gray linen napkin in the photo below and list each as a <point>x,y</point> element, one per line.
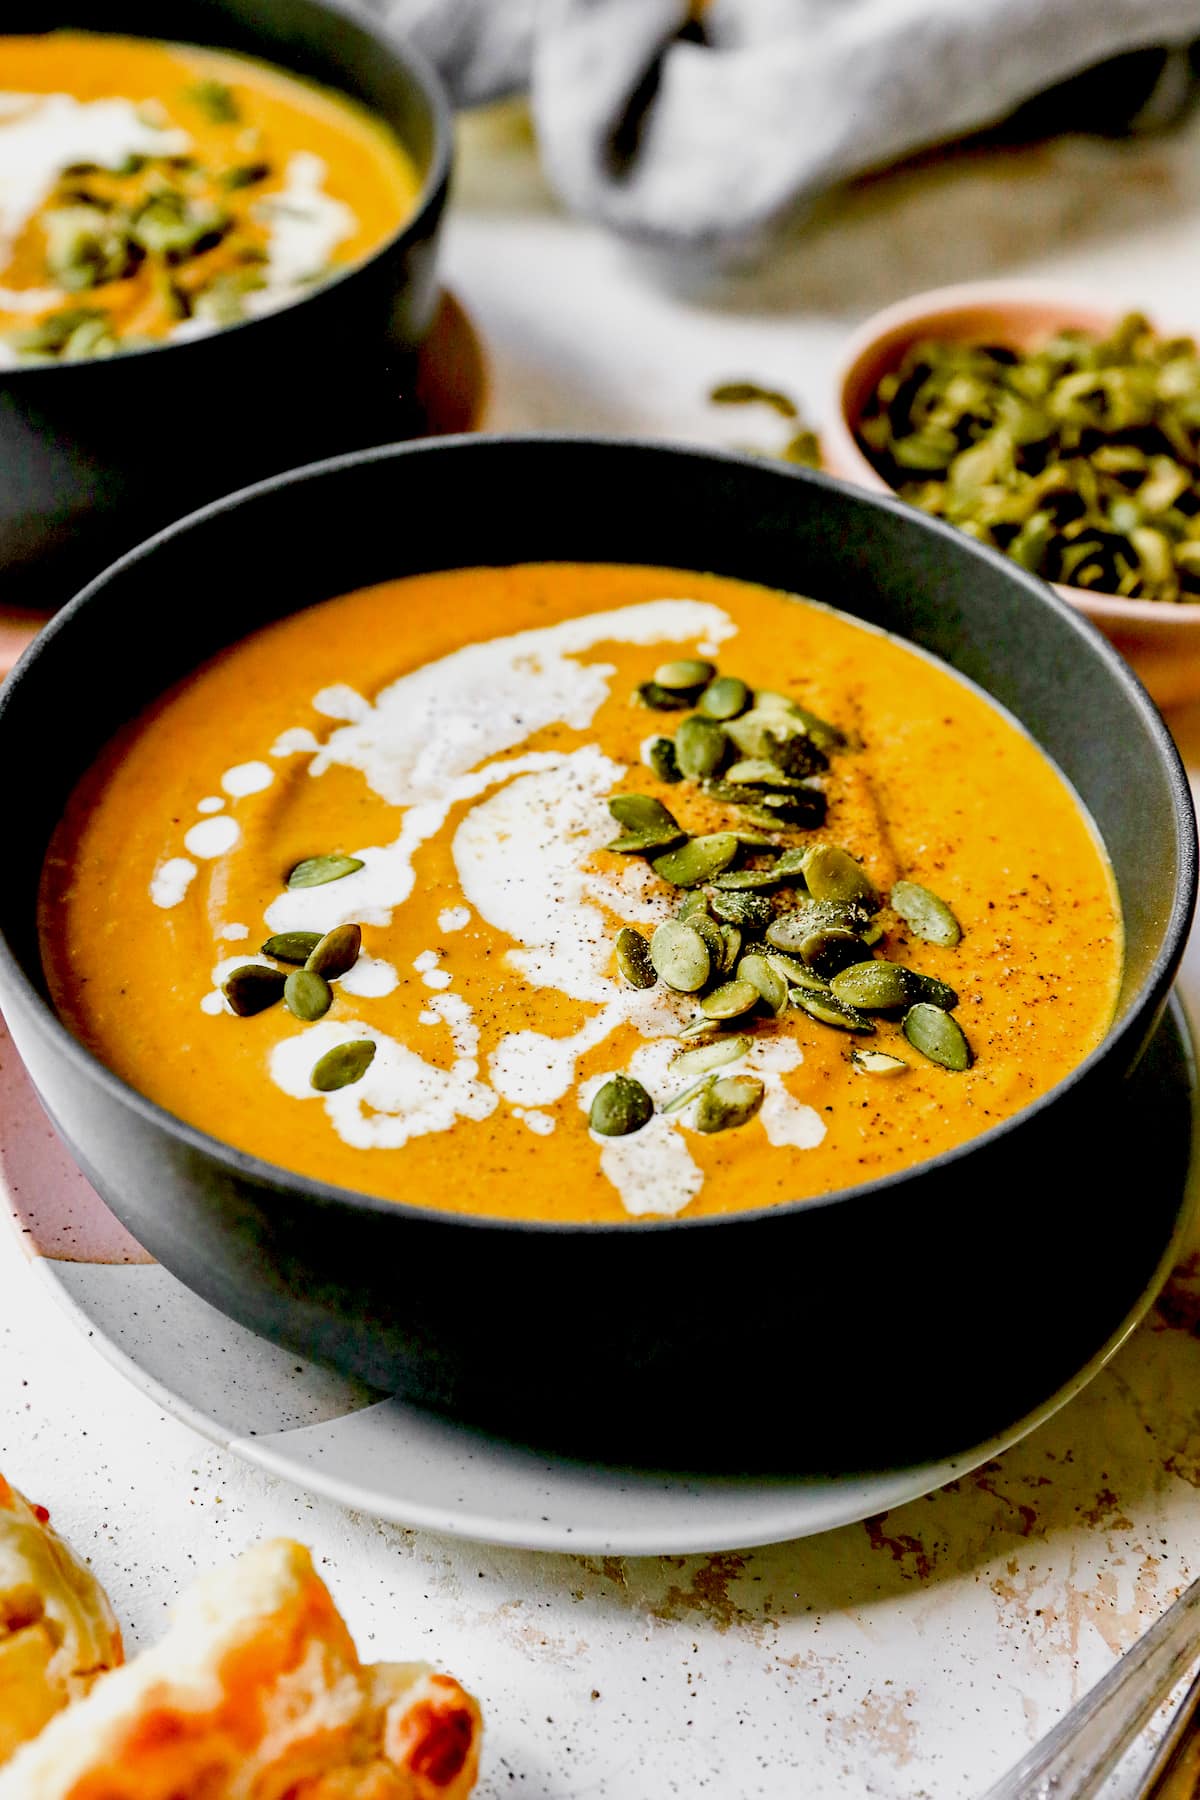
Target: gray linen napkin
<point>702,127</point>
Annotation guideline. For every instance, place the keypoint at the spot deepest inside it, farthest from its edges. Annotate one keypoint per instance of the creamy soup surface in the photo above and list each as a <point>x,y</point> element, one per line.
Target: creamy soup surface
<point>153,191</point>
<point>453,741</point>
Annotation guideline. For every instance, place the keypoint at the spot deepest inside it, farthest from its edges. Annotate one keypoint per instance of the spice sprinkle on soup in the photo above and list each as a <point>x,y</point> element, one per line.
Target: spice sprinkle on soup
<point>151,192</point>
<point>581,892</point>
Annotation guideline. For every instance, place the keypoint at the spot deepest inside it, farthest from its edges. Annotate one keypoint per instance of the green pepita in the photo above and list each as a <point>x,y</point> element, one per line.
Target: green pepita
<point>315,871</point>
<point>796,974</point>
<point>730,1000</point>
<point>336,952</point>
<point>292,946</point>
<point>680,956</point>
<point>678,1101</point>
<point>745,880</point>
<point>307,995</point>
<point>926,916</point>
<point>755,771</point>
<point>707,1057</point>
<point>938,1036</point>
<point>660,755</point>
<point>731,940</point>
<point>251,989</point>
<point>697,860</point>
<point>700,746</point>
<point>729,1101</point>
<point>648,824</point>
<point>875,986</point>
<point>661,699</point>
<point>684,674</point>
<point>929,988</point>
<point>622,1105</point>
<point>876,1062</point>
<point>768,982</point>
<point>724,698</point>
<point>833,874</point>
<point>693,903</point>
<point>342,1066</point>
<point>633,958</point>
<point>750,911</point>
<point>828,1011</point>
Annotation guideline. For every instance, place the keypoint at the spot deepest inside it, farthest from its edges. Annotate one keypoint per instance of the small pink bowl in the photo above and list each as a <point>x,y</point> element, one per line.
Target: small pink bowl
<point>1161,640</point>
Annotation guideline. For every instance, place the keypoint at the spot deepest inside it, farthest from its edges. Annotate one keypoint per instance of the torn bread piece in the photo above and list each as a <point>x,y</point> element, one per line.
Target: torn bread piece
<point>257,1692</point>
<point>57,1629</point>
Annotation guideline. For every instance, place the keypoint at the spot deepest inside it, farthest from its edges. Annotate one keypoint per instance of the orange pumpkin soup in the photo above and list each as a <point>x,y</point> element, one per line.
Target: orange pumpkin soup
<point>623,892</point>
<point>152,191</point>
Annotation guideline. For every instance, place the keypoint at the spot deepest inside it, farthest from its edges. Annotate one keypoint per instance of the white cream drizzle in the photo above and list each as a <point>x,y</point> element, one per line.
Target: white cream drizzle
<point>304,224</point>
<point>441,737</point>
<point>41,135</point>
<point>247,778</point>
<point>401,1096</point>
<point>234,931</point>
<point>171,880</point>
<point>211,803</point>
<point>212,837</point>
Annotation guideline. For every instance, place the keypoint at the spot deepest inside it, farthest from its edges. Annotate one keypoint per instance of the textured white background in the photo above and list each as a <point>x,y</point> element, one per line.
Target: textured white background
<point>912,1657</point>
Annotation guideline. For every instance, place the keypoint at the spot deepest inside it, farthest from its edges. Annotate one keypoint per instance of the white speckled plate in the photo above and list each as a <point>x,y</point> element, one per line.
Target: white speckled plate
<point>330,1434</point>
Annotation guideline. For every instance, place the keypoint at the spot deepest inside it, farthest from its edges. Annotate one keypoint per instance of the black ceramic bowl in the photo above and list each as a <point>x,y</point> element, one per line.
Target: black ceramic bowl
<point>96,455</point>
<point>854,1328</point>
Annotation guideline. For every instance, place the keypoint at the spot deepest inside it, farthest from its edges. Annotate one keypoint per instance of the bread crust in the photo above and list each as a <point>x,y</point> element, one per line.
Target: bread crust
<point>58,1632</point>
<point>256,1693</point>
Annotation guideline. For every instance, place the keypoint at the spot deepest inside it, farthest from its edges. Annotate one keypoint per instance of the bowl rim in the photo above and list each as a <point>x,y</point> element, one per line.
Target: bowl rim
<point>931,304</point>
<point>244,1165</point>
<point>431,195</point>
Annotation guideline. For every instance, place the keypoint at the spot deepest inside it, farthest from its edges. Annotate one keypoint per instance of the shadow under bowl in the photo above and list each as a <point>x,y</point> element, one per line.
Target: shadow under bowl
<point>1159,639</point>
<point>96,455</point>
<point>857,1329</point>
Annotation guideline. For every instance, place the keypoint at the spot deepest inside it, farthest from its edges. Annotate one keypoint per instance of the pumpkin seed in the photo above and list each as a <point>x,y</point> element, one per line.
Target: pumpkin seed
<point>828,1011</point>
<point>698,1027</point>
<point>730,1000</point>
<point>661,757</point>
<point>744,880</point>
<point>724,698</point>
<point>876,1062</point>
<point>660,699</point>
<point>929,988</point>
<point>755,771</point>
<point>876,986</point>
<point>307,995</point>
<point>693,903</point>
<point>791,862</point>
<point>743,393</point>
<point>622,1105</point>
<point>800,920</point>
<point>251,988</point>
<point>292,946</point>
<point>729,1101</point>
<point>830,948</point>
<point>833,874</point>
<point>710,931</point>
<point>926,916</point>
<point>793,971</point>
<point>315,871</point>
<point>731,939</point>
<point>697,860</point>
<point>633,958</point>
<point>336,952</point>
<point>769,983</point>
<point>707,1057</point>
<point>700,746</point>
<point>938,1036</point>
<point>680,956</point>
<point>804,807</point>
<point>750,911</point>
<point>216,101</point>
<point>342,1066</point>
<point>778,737</point>
<point>648,824</point>
<point>678,1101</point>
<point>684,674</point>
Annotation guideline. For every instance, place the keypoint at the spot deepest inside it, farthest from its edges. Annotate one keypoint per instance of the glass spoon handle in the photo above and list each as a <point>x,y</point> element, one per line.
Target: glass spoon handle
<point>1072,1761</point>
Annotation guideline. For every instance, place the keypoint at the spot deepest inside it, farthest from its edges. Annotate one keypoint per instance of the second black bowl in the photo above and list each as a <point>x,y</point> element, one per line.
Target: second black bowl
<point>96,455</point>
<point>863,1327</point>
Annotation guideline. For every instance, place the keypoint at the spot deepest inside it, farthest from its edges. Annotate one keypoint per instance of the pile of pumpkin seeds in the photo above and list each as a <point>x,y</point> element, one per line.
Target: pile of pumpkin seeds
<point>1080,459</point>
<point>313,961</point>
<point>764,929</point>
<point>154,218</point>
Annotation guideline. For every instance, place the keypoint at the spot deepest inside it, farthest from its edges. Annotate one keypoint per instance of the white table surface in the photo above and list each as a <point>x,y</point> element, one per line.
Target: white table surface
<point>913,1657</point>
